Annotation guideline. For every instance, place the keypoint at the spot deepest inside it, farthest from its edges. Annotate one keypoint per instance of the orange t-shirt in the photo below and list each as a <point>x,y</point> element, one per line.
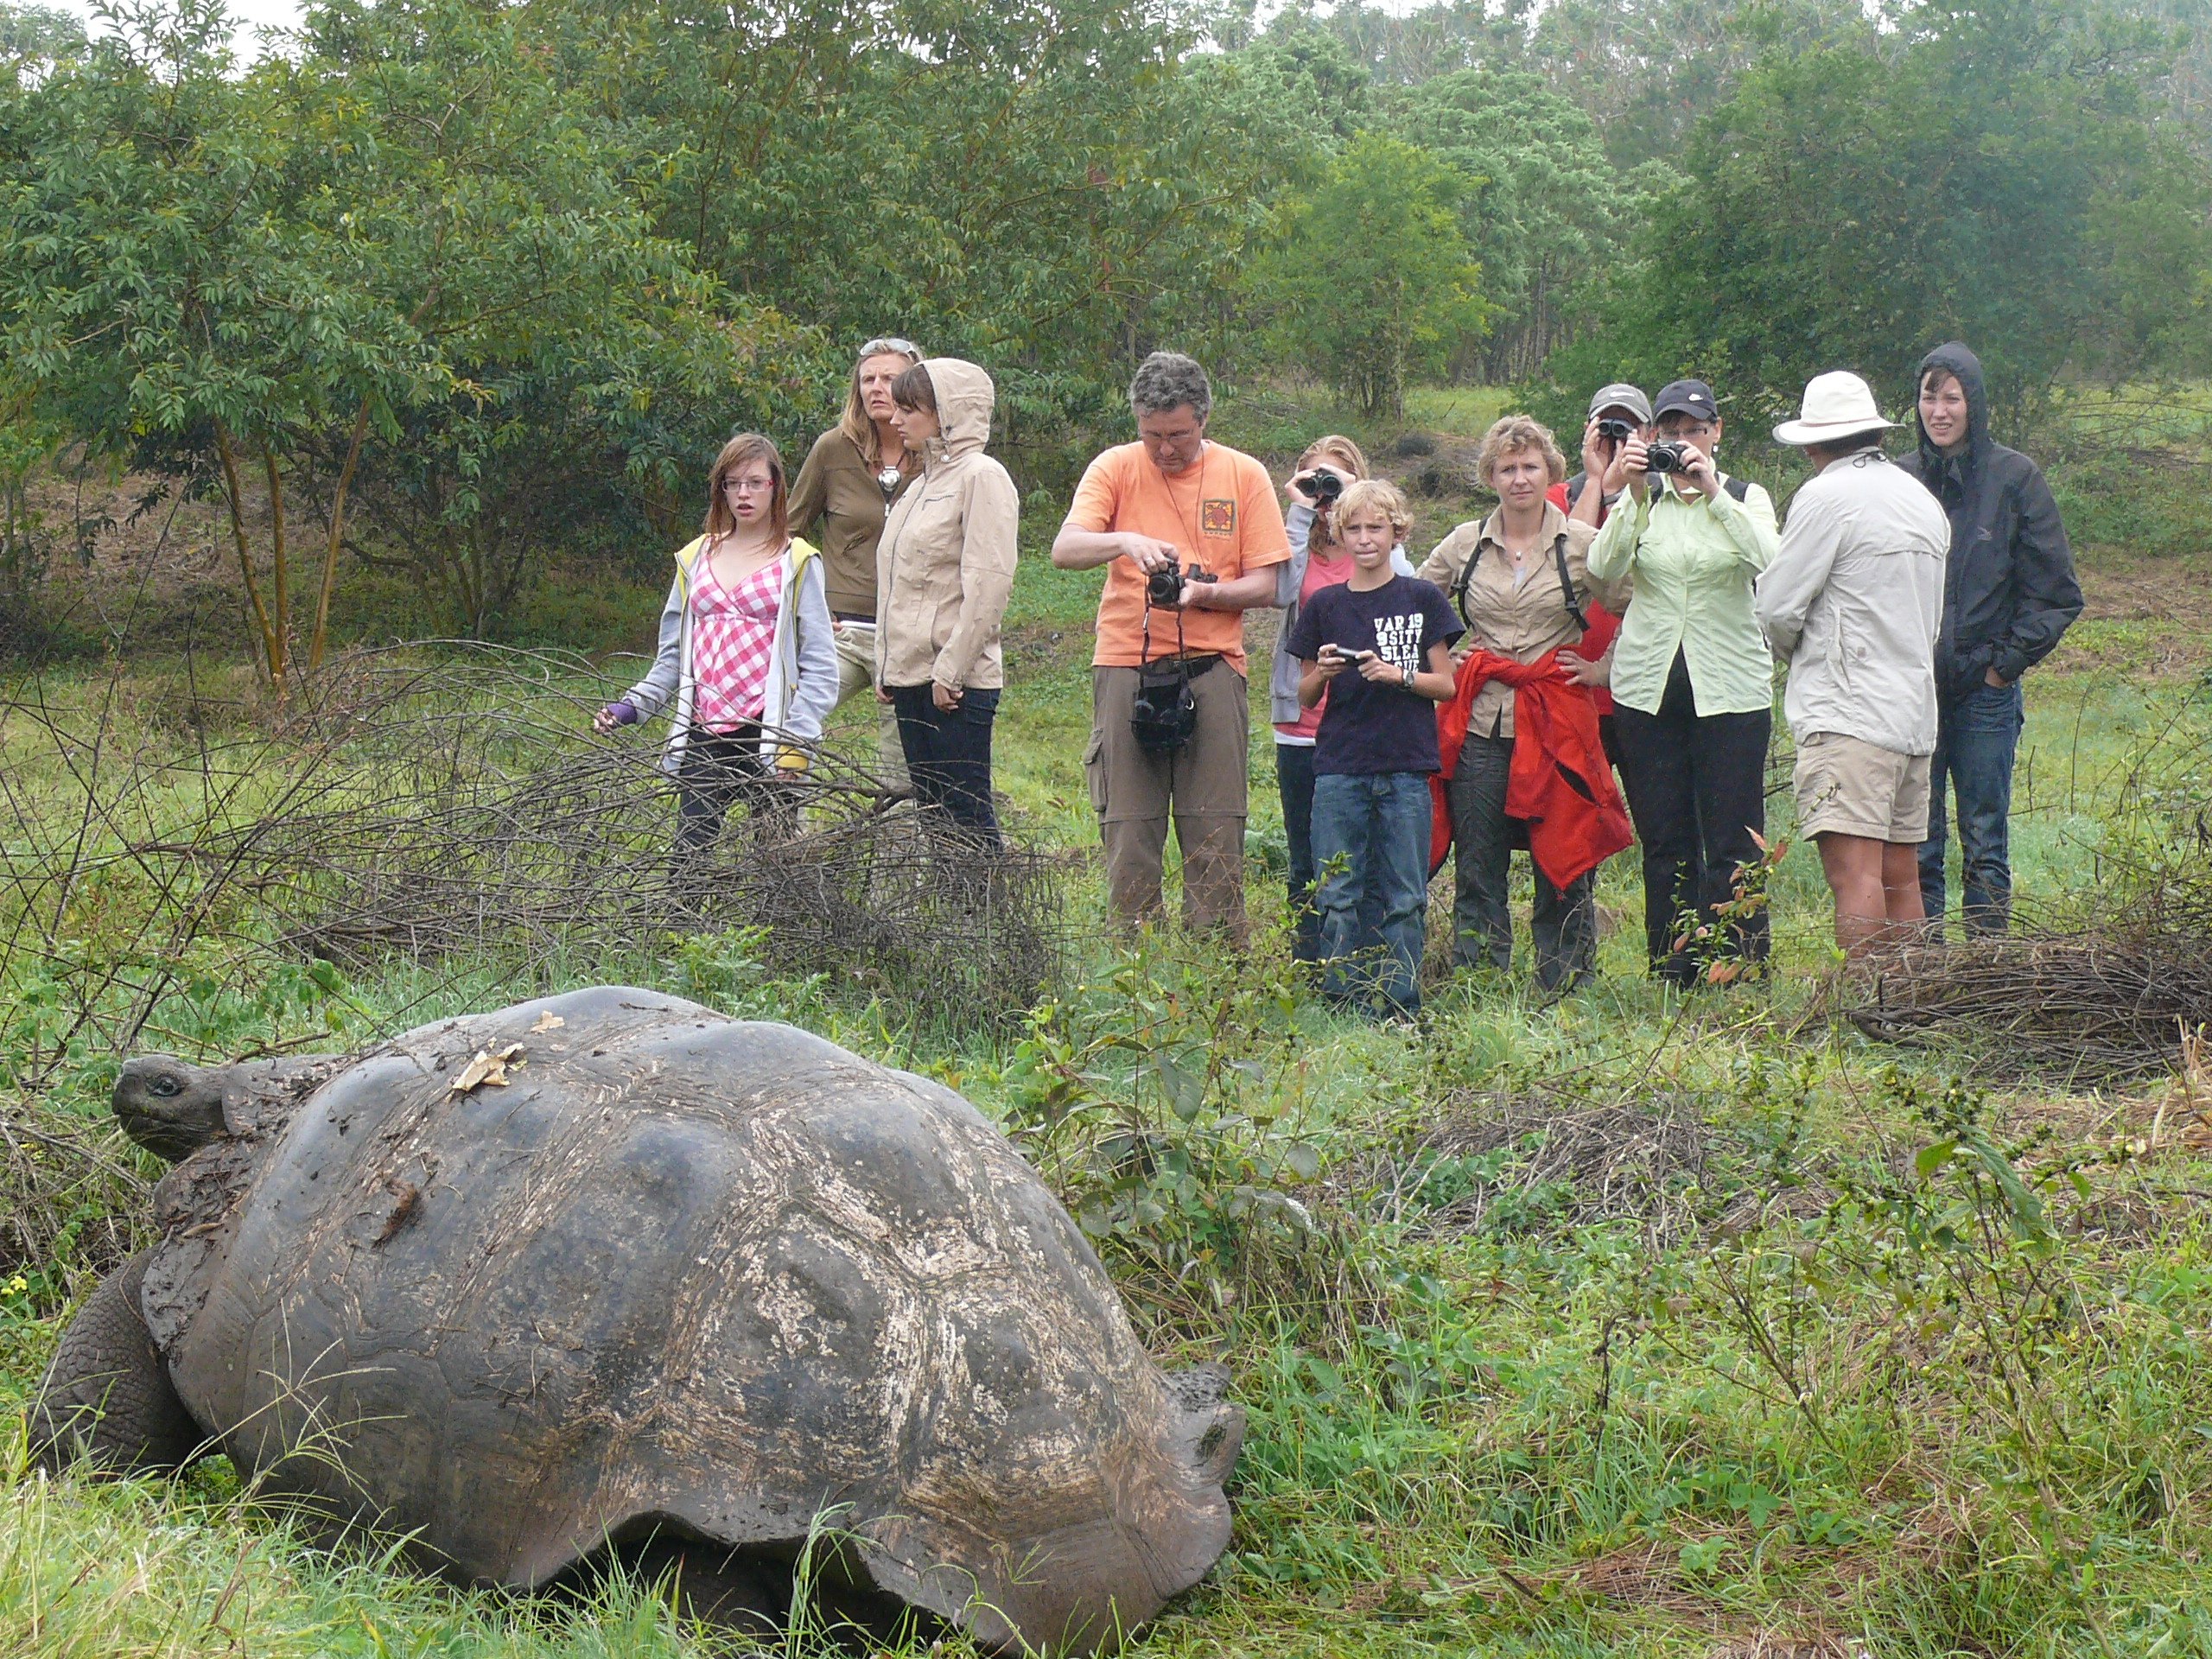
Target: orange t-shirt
<point>1221,514</point>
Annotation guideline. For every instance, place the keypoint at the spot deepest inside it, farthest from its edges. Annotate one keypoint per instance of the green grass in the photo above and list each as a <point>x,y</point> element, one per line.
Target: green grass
<point>1515,1438</point>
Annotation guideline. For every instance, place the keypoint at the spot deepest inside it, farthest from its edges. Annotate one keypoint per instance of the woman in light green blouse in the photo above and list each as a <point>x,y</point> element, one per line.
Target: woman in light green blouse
<point>1693,682</point>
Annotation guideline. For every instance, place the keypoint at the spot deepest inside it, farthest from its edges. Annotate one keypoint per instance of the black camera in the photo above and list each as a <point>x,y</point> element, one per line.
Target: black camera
<point>1618,431</point>
<point>1664,457</point>
<point>1164,587</point>
<point>1323,485</point>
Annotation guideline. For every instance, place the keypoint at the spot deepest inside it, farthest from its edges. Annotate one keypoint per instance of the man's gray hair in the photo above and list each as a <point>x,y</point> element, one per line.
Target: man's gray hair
<point>1168,380</point>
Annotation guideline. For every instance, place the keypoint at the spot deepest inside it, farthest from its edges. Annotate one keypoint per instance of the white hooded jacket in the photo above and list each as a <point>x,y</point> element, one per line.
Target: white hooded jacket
<point>944,565</point>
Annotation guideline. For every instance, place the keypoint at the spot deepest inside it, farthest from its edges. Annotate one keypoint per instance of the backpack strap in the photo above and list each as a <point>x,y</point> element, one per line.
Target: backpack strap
<point>1559,562</point>
<point>1460,583</point>
<point>1740,488</point>
<point>1567,583</point>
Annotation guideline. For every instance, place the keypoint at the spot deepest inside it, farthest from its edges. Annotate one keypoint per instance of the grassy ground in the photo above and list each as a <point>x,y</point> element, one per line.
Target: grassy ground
<point>1621,1325</point>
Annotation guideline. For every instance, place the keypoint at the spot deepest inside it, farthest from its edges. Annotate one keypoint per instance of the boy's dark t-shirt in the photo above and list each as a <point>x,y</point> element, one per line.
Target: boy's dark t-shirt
<point>1369,728</point>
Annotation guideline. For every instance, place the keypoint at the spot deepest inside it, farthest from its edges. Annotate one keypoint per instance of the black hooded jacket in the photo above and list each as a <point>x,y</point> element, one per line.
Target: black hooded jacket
<point>2008,588</point>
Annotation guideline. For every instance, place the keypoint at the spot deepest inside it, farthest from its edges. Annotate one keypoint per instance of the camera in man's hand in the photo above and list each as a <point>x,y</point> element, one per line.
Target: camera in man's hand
<point>1669,457</point>
<point>1323,485</point>
<point>1164,587</point>
<point>1614,431</point>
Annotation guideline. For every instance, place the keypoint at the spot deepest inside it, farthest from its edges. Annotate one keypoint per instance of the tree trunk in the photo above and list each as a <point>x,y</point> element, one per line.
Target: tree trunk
<point>272,637</point>
<point>337,531</point>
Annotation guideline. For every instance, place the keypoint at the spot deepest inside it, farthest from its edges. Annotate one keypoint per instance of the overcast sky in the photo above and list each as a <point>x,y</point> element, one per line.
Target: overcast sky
<point>252,15</point>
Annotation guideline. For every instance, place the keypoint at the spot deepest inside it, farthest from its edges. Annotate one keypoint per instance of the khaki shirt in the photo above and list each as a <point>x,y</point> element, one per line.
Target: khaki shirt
<point>1519,616</point>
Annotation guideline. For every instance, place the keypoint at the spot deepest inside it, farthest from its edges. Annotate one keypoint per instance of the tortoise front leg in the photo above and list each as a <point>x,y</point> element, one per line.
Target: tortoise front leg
<point>106,1396</point>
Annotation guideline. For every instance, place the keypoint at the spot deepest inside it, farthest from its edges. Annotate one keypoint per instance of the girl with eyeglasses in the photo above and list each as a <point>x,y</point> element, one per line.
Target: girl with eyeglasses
<point>746,663</point>
<point>847,483</point>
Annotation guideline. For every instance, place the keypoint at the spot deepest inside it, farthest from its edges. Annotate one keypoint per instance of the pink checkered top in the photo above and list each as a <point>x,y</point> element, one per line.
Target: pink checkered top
<point>733,642</point>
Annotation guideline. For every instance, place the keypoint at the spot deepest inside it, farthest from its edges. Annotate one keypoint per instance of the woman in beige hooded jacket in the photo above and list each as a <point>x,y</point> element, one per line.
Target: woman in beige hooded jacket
<point>944,566</point>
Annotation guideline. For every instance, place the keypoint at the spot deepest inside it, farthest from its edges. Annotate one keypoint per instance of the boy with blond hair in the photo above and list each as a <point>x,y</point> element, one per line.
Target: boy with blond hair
<point>1374,750</point>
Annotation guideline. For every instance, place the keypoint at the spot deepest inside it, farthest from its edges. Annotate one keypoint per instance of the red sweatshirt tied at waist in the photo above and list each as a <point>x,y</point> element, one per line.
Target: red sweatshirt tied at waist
<point>1560,784</point>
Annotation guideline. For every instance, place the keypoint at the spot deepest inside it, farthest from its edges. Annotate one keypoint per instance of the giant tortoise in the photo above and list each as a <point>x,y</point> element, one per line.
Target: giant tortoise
<point>696,1289</point>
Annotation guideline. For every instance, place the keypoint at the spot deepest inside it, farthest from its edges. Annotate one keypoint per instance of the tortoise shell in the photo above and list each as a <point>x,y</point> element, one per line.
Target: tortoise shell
<point>687,1276</point>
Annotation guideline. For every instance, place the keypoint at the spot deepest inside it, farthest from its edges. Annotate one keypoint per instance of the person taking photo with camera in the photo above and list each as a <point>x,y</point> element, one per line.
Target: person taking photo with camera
<point>1617,413</point>
<point>944,566</point>
<point>1378,646</point>
<point>1189,535</point>
<point>1693,681</point>
<point>2009,593</point>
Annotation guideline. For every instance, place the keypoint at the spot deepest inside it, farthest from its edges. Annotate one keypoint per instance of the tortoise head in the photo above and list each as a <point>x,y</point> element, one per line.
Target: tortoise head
<point>167,1107</point>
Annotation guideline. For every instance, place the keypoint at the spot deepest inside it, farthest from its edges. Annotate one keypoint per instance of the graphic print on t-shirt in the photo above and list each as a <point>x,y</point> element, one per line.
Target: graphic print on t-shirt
<point>1397,639</point>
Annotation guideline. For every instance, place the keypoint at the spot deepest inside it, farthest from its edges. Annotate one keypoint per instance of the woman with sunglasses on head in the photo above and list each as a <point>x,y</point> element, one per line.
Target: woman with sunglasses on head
<point>847,483</point>
<point>747,665</point>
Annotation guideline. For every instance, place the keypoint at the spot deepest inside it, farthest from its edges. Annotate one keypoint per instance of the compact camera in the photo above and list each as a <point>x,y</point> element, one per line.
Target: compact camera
<point>1665,457</point>
<point>1165,588</point>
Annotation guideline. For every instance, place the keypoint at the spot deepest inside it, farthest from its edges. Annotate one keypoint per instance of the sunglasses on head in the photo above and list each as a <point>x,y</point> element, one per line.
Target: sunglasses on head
<point>889,344</point>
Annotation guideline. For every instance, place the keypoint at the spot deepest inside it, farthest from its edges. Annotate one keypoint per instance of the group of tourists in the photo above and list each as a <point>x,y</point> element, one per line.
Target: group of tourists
<point>1624,620</point>
<point>763,635</point>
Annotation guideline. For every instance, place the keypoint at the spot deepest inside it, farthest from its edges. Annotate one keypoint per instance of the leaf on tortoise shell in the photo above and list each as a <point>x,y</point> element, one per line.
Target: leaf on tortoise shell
<point>487,1067</point>
<point>548,1020</point>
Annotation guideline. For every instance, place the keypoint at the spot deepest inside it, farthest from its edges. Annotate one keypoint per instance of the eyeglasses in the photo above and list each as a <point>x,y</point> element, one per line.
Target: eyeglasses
<point>886,345</point>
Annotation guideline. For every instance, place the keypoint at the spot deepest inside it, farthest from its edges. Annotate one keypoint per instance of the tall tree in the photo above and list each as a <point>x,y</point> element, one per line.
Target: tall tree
<point>1374,280</point>
<point>1549,214</point>
<point>1997,173</point>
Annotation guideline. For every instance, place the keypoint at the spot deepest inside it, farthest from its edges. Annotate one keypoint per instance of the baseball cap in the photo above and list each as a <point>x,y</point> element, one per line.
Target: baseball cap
<point>1691,396</point>
<point>1621,395</point>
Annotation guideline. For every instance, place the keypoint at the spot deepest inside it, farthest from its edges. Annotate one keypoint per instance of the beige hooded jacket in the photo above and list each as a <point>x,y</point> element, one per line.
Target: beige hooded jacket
<point>945,563</point>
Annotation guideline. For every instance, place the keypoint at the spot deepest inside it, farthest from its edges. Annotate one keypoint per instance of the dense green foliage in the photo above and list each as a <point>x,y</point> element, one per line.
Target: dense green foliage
<point>1996,175</point>
<point>435,286</point>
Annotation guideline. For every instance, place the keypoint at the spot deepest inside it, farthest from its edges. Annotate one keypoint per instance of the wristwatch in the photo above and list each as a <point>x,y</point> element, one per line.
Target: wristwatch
<point>1409,679</point>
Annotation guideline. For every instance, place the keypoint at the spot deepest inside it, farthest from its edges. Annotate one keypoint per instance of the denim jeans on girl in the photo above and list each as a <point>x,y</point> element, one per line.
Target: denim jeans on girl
<point>1976,738</point>
<point>1370,849</point>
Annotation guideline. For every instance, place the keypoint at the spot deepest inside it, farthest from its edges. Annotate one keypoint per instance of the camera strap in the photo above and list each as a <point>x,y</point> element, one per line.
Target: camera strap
<point>1144,645</point>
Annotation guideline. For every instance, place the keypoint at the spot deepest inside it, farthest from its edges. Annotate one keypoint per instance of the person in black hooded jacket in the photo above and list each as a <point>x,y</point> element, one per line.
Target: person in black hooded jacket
<point>2009,593</point>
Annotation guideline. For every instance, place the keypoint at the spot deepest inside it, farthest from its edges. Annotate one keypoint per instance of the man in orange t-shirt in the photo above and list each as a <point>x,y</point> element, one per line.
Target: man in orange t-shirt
<point>1171,499</point>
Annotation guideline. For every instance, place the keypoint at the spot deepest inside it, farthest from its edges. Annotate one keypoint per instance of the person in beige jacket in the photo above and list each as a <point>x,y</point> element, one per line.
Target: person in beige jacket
<point>944,566</point>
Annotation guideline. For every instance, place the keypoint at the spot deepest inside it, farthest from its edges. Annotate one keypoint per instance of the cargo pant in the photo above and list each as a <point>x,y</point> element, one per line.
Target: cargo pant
<point>855,642</point>
<point>1202,786</point>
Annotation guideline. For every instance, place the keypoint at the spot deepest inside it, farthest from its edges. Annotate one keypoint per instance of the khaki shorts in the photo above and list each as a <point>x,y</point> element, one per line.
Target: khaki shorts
<point>1847,786</point>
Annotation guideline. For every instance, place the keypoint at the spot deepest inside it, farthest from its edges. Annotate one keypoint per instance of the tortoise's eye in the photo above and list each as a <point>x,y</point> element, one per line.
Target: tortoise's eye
<point>167,1084</point>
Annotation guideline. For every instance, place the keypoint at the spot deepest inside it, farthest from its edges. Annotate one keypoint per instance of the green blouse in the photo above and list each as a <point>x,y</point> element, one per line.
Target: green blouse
<point>1690,563</point>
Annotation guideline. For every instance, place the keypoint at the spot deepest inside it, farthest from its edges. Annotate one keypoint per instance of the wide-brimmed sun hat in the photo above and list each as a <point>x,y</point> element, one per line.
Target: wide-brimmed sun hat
<point>1837,404</point>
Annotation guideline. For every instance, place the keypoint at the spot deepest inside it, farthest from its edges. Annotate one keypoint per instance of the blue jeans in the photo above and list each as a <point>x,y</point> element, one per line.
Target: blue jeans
<point>1370,846</point>
<point>1976,738</point>
<point>1294,784</point>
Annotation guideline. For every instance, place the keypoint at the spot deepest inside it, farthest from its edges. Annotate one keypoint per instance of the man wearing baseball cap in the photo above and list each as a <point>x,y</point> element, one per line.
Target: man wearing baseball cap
<point>1693,684</point>
<point>1854,603</point>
